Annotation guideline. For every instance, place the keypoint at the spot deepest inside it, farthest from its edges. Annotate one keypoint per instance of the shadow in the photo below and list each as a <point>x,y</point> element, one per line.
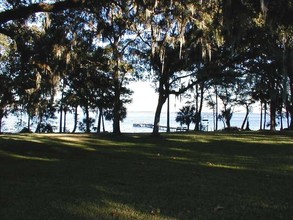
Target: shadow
<point>137,176</point>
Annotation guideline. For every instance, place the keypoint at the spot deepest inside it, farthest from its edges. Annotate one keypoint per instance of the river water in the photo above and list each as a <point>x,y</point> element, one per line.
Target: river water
<point>146,117</point>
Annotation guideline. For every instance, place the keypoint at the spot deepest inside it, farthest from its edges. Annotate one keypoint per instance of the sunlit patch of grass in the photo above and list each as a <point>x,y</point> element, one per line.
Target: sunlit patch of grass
<point>32,138</point>
<point>258,138</point>
<point>113,210</point>
<point>18,156</point>
<point>137,176</point>
<point>225,166</point>
<point>72,141</point>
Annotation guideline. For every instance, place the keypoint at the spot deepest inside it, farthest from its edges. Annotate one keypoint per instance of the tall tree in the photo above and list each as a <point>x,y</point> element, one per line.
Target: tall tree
<point>115,28</point>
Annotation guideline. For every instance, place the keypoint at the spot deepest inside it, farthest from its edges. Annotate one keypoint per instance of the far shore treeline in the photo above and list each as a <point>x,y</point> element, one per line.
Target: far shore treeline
<point>57,57</point>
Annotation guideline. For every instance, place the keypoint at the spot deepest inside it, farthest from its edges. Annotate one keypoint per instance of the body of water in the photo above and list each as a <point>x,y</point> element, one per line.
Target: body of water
<point>146,117</point>
<point>208,121</point>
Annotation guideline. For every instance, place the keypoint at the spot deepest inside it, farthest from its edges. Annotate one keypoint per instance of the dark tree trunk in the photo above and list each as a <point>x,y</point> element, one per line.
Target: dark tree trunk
<point>75,119</point>
<point>199,99</point>
<point>228,123</point>
<point>287,117</point>
<point>281,122</point>
<point>99,120</point>
<point>103,122</point>
<point>273,117</point>
<point>265,116</point>
<point>261,115</point>
<point>168,114</point>
<point>273,110</point>
<point>64,122</point>
<point>1,124</point>
<point>291,119</point>
<point>117,88</point>
<point>87,115</point>
<point>161,101</point>
<point>197,120</point>
<point>188,125</point>
<point>291,101</point>
<point>29,122</point>
<point>217,112</point>
<point>61,118</point>
<point>116,110</point>
<point>38,129</point>
<point>246,116</point>
<point>247,126</point>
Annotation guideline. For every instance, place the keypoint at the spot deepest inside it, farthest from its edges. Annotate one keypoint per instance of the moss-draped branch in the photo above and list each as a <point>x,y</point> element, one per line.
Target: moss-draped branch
<point>26,11</point>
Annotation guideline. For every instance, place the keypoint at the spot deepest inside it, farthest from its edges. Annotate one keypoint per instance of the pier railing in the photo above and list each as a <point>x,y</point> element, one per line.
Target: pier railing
<point>161,128</point>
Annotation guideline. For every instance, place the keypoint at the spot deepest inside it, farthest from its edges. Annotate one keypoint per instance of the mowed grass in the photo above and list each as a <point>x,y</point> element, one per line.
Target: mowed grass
<point>137,176</point>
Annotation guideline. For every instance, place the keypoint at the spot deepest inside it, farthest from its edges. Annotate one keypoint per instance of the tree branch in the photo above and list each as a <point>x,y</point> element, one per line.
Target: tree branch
<point>184,89</point>
<point>181,77</point>
<point>26,11</point>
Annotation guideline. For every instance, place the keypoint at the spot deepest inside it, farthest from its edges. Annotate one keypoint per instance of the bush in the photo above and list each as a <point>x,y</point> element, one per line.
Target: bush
<point>231,129</point>
<point>25,130</point>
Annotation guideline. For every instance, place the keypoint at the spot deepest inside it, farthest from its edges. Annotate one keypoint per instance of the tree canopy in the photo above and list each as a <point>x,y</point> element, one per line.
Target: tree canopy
<point>89,51</point>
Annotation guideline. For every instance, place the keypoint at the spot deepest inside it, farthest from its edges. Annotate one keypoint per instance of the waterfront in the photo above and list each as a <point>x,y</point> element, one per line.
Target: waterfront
<point>146,117</point>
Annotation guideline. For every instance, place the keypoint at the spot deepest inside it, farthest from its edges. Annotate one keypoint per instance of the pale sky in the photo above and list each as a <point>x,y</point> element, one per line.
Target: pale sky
<point>144,98</point>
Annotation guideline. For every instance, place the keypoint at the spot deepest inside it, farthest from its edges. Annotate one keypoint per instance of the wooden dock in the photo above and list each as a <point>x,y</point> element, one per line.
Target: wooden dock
<point>161,128</point>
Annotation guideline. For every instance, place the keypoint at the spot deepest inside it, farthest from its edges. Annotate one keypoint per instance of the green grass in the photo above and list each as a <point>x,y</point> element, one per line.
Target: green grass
<point>136,176</point>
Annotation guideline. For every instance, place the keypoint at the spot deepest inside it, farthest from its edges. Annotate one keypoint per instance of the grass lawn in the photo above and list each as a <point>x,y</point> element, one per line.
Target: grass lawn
<point>137,176</point>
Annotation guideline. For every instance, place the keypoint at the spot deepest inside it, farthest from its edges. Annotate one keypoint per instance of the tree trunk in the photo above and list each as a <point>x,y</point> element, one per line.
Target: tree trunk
<point>38,129</point>
<point>61,116</point>
<point>214,117</point>
<point>265,115</point>
<point>197,121</point>
<point>261,115</point>
<point>287,118</point>
<point>87,122</point>
<point>103,122</point>
<point>217,111</point>
<point>99,120</point>
<point>273,110</point>
<point>161,101</point>
<point>116,110</point>
<point>117,105</point>
<point>247,126</point>
<point>199,98</point>
<point>64,122</point>
<point>168,114</point>
<point>273,116</point>
<point>1,124</point>
<point>291,101</point>
<point>228,123</point>
<point>29,122</point>
<point>291,120</point>
<point>75,119</point>
<point>281,116</point>
<point>245,118</point>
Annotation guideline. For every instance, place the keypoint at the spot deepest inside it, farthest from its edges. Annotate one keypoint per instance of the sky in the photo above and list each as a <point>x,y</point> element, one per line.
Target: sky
<point>146,99</point>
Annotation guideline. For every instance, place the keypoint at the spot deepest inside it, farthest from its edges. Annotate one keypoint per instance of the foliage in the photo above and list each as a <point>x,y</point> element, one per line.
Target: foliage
<point>186,116</point>
<point>89,51</point>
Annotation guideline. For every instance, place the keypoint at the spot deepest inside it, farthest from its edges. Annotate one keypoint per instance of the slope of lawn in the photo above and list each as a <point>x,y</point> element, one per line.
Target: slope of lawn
<point>137,176</point>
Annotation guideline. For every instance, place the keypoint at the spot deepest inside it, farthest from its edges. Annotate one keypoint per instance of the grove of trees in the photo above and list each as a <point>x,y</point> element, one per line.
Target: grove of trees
<point>58,56</point>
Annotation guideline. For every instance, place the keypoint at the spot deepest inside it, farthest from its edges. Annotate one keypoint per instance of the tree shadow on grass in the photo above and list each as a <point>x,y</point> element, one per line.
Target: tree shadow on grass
<point>141,177</point>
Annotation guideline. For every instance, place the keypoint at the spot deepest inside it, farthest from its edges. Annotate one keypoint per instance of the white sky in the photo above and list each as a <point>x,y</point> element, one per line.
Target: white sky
<point>144,98</point>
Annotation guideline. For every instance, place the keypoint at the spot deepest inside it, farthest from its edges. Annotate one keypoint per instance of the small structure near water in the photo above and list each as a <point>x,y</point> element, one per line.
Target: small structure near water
<point>162,128</point>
